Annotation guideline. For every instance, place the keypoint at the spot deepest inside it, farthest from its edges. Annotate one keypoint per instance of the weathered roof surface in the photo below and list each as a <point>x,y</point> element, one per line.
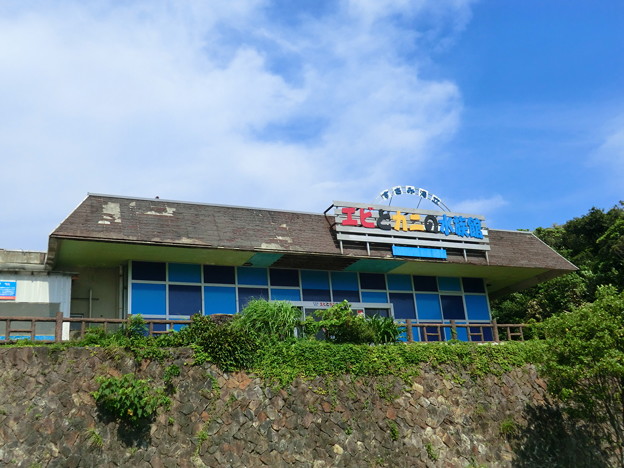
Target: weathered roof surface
<point>295,236</point>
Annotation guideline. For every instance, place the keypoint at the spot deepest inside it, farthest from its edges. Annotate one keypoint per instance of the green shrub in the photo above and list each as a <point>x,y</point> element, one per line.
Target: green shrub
<point>385,329</point>
<point>128,399</point>
<point>340,324</point>
<point>197,331</point>
<point>229,347</point>
<point>272,320</point>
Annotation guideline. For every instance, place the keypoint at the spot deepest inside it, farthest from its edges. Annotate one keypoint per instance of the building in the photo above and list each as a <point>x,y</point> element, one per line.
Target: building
<point>167,259</point>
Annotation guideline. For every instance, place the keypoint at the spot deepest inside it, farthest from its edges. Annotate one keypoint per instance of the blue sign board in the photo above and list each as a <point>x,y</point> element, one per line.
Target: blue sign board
<point>8,290</point>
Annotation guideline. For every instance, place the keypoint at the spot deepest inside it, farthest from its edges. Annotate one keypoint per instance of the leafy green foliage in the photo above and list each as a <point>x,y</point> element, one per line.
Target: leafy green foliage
<point>128,399</point>
<point>285,361</point>
<point>584,362</point>
<point>385,330</point>
<point>340,324</point>
<point>270,320</point>
<point>229,347</point>
<point>595,244</point>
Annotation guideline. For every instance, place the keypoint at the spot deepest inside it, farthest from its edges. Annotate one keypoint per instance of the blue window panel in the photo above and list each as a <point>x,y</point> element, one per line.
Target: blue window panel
<point>184,273</point>
<point>252,276</point>
<point>449,284</point>
<point>400,282</point>
<point>149,271</point>
<point>431,334</point>
<point>473,285</point>
<point>159,327</point>
<point>149,299</point>
<point>369,296</point>
<point>477,307</point>
<point>453,307</point>
<point>428,306</point>
<point>311,279</point>
<point>487,333</point>
<point>462,333</point>
<point>219,300</point>
<point>218,274</point>
<point>372,281</point>
<point>247,294</point>
<point>285,294</point>
<point>418,252</point>
<point>316,295</point>
<point>351,296</point>
<point>344,281</point>
<point>184,300</point>
<point>281,277</point>
<point>425,283</point>
<point>403,304</point>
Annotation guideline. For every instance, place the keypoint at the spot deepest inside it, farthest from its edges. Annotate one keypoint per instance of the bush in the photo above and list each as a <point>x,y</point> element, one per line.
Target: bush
<point>584,362</point>
<point>272,320</point>
<point>229,347</point>
<point>200,328</point>
<point>128,399</point>
<point>385,330</point>
<point>340,324</point>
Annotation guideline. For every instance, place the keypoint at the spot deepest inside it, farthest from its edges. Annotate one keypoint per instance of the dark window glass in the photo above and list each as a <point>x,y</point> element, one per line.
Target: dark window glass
<point>487,333</point>
<point>281,277</point>
<point>149,271</point>
<point>453,307</point>
<point>341,295</point>
<point>219,274</point>
<point>372,281</point>
<point>184,300</point>
<point>316,295</point>
<point>381,312</point>
<point>403,305</point>
<point>473,285</point>
<point>247,294</point>
<point>433,334</point>
<point>425,283</point>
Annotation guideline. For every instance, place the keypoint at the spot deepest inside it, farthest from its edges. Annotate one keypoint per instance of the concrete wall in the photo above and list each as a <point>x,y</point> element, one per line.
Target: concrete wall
<point>95,292</point>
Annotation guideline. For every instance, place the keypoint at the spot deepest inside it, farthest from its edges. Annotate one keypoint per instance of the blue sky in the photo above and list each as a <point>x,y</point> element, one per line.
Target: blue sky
<point>512,109</point>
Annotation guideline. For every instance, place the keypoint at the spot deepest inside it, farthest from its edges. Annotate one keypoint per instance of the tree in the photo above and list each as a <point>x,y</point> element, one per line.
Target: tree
<point>595,244</point>
<point>583,363</point>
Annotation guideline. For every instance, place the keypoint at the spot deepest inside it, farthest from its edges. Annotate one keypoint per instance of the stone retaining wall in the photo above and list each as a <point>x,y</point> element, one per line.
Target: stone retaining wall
<point>49,418</point>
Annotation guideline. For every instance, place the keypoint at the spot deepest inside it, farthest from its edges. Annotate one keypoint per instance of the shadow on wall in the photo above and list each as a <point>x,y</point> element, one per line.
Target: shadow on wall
<point>552,439</point>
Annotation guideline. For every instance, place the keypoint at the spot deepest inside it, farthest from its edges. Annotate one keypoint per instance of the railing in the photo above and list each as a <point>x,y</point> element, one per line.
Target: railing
<point>61,328</point>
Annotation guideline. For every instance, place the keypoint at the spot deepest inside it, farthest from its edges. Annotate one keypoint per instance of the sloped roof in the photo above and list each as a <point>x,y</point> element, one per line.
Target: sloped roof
<point>295,239</point>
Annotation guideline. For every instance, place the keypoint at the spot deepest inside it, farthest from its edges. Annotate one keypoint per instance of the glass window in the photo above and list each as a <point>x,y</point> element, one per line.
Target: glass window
<point>403,304</point>
<point>428,307</point>
<point>313,279</point>
<point>453,307</point>
<point>184,273</point>
<point>247,294</point>
<point>344,281</point>
<point>425,283</point>
<point>218,274</point>
<point>184,300</point>
<point>285,294</point>
<point>252,276</point>
<point>316,295</point>
<point>340,295</point>
<point>149,271</point>
<point>473,285</point>
<point>219,300</point>
<point>449,284</point>
<point>369,296</point>
<point>477,308</point>
<point>149,299</point>
<point>372,281</point>
<point>280,277</point>
<point>399,282</point>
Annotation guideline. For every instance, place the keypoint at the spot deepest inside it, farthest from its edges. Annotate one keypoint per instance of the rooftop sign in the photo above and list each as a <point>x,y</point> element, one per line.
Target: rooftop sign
<point>410,227</point>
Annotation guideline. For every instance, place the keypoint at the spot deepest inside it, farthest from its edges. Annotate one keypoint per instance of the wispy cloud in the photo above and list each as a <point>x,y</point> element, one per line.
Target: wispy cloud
<point>215,101</point>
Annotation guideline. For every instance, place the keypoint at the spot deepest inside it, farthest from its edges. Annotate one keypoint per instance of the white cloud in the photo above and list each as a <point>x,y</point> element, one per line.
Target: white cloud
<point>182,100</point>
<point>483,206</point>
